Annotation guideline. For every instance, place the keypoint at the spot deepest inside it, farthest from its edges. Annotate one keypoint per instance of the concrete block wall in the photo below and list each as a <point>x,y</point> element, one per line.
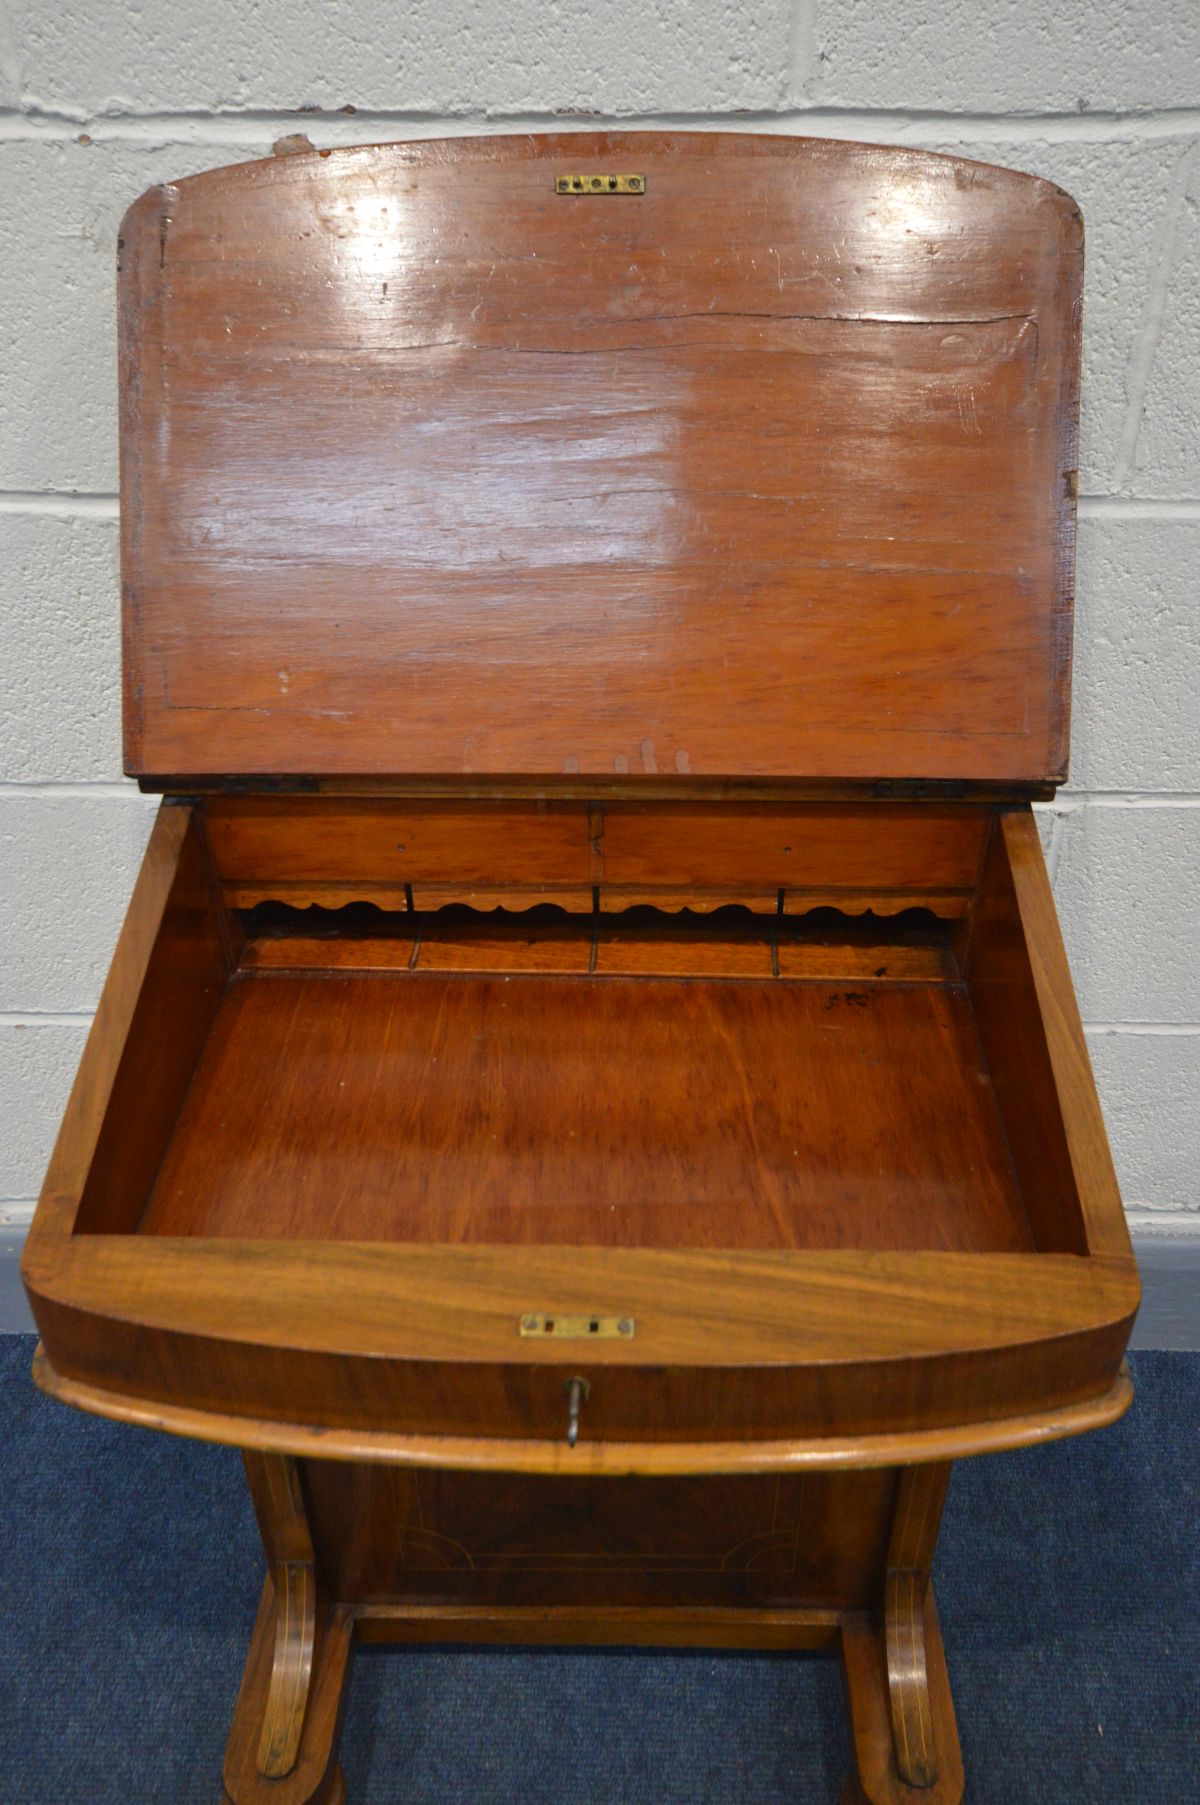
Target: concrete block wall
<point>98,100</point>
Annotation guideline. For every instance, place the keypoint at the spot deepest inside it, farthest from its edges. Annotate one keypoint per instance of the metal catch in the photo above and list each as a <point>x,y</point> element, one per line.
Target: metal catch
<point>599,182</point>
<point>577,1328</point>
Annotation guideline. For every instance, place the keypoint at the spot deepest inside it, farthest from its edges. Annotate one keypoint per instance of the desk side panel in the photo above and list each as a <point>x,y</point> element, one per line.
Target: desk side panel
<point>164,986</point>
<point>1029,1023</point>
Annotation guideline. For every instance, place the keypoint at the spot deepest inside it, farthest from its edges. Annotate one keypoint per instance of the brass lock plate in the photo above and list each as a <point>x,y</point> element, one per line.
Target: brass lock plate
<point>599,181</point>
<point>576,1328</point>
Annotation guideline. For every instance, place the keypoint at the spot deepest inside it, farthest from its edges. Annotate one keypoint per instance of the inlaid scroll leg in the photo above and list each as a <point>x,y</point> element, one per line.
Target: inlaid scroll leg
<point>279,1504</point>
<point>902,1715</point>
<point>291,1670</point>
<point>919,1501</point>
<point>875,1777</point>
<point>283,1741</point>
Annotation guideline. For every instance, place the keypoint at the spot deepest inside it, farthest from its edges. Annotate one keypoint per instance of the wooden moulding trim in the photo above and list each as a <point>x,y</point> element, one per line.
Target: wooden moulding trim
<point>608,899</point>
<point>670,1626</point>
<point>595,1459</point>
<point>641,788</point>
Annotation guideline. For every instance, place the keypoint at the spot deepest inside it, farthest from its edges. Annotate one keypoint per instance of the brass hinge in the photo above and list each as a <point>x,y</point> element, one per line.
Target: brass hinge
<point>232,785</point>
<point>948,789</point>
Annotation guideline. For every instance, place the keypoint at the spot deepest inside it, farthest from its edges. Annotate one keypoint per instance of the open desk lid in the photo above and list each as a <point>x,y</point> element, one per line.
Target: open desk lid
<point>759,463</point>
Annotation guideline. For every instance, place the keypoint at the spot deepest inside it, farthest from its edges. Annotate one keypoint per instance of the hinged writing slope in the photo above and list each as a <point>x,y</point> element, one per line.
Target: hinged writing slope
<point>765,469</point>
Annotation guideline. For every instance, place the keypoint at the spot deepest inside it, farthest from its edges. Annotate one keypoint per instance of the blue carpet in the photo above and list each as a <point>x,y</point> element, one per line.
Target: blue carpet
<point>1067,1583</point>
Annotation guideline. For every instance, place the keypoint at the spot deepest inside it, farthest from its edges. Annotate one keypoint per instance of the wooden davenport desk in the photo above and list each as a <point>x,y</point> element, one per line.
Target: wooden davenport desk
<point>589,1094</point>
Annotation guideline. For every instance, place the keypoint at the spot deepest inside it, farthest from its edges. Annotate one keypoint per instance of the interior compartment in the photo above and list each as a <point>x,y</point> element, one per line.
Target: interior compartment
<point>600,1110</point>
<point>849,1075</point>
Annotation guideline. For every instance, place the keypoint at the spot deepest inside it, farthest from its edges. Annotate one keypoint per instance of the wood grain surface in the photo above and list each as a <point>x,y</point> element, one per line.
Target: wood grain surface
<point>423,1340</point>
<point>920,1498</point>
<point>149,958</point>
<point>767,471</point>
<point>314,1778</point>
<point>389,1535</point>
<point>820,1453</point>
<point>592,1111</point>
<point>875,1777</point>
<point>514,854</point>
<point>814,1193</point>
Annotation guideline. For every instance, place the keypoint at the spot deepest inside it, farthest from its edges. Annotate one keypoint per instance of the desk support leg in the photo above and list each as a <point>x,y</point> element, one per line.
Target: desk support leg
<point>282,1746</point>
<point>902,1716</point>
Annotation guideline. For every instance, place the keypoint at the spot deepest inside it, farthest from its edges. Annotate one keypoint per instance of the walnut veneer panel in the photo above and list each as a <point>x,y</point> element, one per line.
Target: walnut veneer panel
<point>444,1537</point>
<point>651,1112</point>
<point>766,471</point>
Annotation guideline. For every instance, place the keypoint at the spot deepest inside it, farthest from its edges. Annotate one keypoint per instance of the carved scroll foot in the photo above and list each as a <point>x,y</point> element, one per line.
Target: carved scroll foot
<point>913,1738</point>
<point>926,1713</point>
<point>284,1736</point>
<point>901,1712</point>
<point>314,1777</point>
<point>291,1670</point>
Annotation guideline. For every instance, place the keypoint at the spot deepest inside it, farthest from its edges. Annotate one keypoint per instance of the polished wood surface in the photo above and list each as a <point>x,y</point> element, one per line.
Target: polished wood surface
<point>785,1563</point>
<point>387,1536</point>
<point>921,1495</point>
<point>165,968</point>
<point>422,855</point>
<point>314,1777</point>
<point>825,1452</point>
<point>274,1483</point>
<point>1072,1085</point>
<point>730,1348</point>
<point>613,1626</point>
<point>592,1111</point>
<point>320,1092</point>
<point>720,941</point>
<point>876,1778</point>
<point>766,471</point>
<point>182,992</point>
